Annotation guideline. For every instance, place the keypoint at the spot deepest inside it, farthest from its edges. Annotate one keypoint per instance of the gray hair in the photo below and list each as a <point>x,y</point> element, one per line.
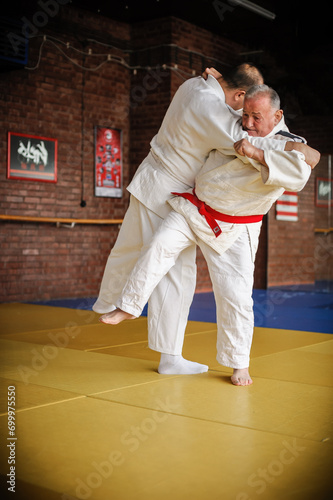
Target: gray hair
<point>273,96</point>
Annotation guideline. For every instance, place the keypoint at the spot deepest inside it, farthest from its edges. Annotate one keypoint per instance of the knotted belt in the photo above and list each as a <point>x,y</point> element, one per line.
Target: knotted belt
<point>212,215</point>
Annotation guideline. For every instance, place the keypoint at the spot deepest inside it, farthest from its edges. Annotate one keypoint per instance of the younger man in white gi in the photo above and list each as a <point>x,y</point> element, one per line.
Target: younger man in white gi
<point>200,118</point>
<point>232,196</point>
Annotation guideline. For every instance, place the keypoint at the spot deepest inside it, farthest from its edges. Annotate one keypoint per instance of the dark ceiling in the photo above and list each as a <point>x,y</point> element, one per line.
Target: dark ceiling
<point>291,29</point>
<point>299,37</point>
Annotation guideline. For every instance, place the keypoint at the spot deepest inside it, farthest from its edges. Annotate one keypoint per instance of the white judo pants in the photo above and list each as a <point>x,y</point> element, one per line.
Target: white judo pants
<point>174,292</point>
<point>231,275</point>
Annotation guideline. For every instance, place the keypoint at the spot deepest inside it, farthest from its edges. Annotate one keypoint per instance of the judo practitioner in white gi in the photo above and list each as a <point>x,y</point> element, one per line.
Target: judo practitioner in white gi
<point>223,216</point>
<point>200,118</point>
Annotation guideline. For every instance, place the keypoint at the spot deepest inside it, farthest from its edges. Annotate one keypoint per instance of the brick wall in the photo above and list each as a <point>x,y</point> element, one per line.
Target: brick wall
<point>318,131</point>
<point>291,244</point>
<point>150,88</point>
<point>40,261</point>
<point>58,99</point>
<point>296,254</point>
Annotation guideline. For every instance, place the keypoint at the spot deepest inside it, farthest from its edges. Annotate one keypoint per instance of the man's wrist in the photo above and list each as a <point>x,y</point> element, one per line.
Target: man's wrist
<point>259,156</point>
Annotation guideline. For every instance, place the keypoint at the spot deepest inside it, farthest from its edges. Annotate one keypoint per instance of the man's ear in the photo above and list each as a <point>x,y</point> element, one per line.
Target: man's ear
<point>278,116</point>
<point>240,94</point>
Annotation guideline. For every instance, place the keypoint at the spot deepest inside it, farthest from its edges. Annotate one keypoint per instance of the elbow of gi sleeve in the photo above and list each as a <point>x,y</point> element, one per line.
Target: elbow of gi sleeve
<point>286,169</point>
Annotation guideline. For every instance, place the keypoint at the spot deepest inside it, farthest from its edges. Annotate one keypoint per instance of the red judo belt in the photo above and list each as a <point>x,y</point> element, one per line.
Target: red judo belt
<point>212,215</point>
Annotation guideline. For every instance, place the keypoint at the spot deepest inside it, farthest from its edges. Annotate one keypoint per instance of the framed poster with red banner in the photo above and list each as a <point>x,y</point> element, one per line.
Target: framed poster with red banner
<point>31,157</point>
<point>108,162</point>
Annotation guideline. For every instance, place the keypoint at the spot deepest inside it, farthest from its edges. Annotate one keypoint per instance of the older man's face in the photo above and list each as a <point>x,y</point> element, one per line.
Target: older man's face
<point>259,118</point>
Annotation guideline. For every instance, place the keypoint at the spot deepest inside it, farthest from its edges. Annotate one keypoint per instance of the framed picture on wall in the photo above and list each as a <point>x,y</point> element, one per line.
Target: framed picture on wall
<point>324,192</point>
<point>108,162</point>
<point>32,158</point>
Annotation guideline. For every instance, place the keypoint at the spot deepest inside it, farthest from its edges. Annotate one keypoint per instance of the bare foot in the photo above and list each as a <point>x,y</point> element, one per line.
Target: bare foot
<point>115,317</point>
<point>241,376</point>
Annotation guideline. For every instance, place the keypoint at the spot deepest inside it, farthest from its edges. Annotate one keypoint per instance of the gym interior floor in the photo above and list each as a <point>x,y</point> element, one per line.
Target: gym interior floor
<point>94,419</point>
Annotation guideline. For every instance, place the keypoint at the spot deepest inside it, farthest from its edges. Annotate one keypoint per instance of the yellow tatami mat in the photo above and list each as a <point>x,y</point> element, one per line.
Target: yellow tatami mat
<point>94,419</point>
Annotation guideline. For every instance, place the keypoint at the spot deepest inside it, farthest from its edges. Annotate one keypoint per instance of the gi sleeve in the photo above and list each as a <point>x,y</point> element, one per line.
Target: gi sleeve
<point>286,169</point>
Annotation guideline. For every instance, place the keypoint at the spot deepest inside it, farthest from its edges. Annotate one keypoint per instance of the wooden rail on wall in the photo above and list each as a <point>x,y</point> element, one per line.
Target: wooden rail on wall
<point>324,230</point>
<point>59,220</point>
<point>62,220</point>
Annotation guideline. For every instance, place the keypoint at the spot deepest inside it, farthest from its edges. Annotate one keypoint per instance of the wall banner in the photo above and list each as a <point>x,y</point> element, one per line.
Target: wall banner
<point>108,162</point>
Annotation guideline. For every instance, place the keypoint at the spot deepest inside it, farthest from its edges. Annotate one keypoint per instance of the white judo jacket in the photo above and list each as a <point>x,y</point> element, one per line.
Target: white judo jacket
<point>242,187</point>
<point>197,121</point>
